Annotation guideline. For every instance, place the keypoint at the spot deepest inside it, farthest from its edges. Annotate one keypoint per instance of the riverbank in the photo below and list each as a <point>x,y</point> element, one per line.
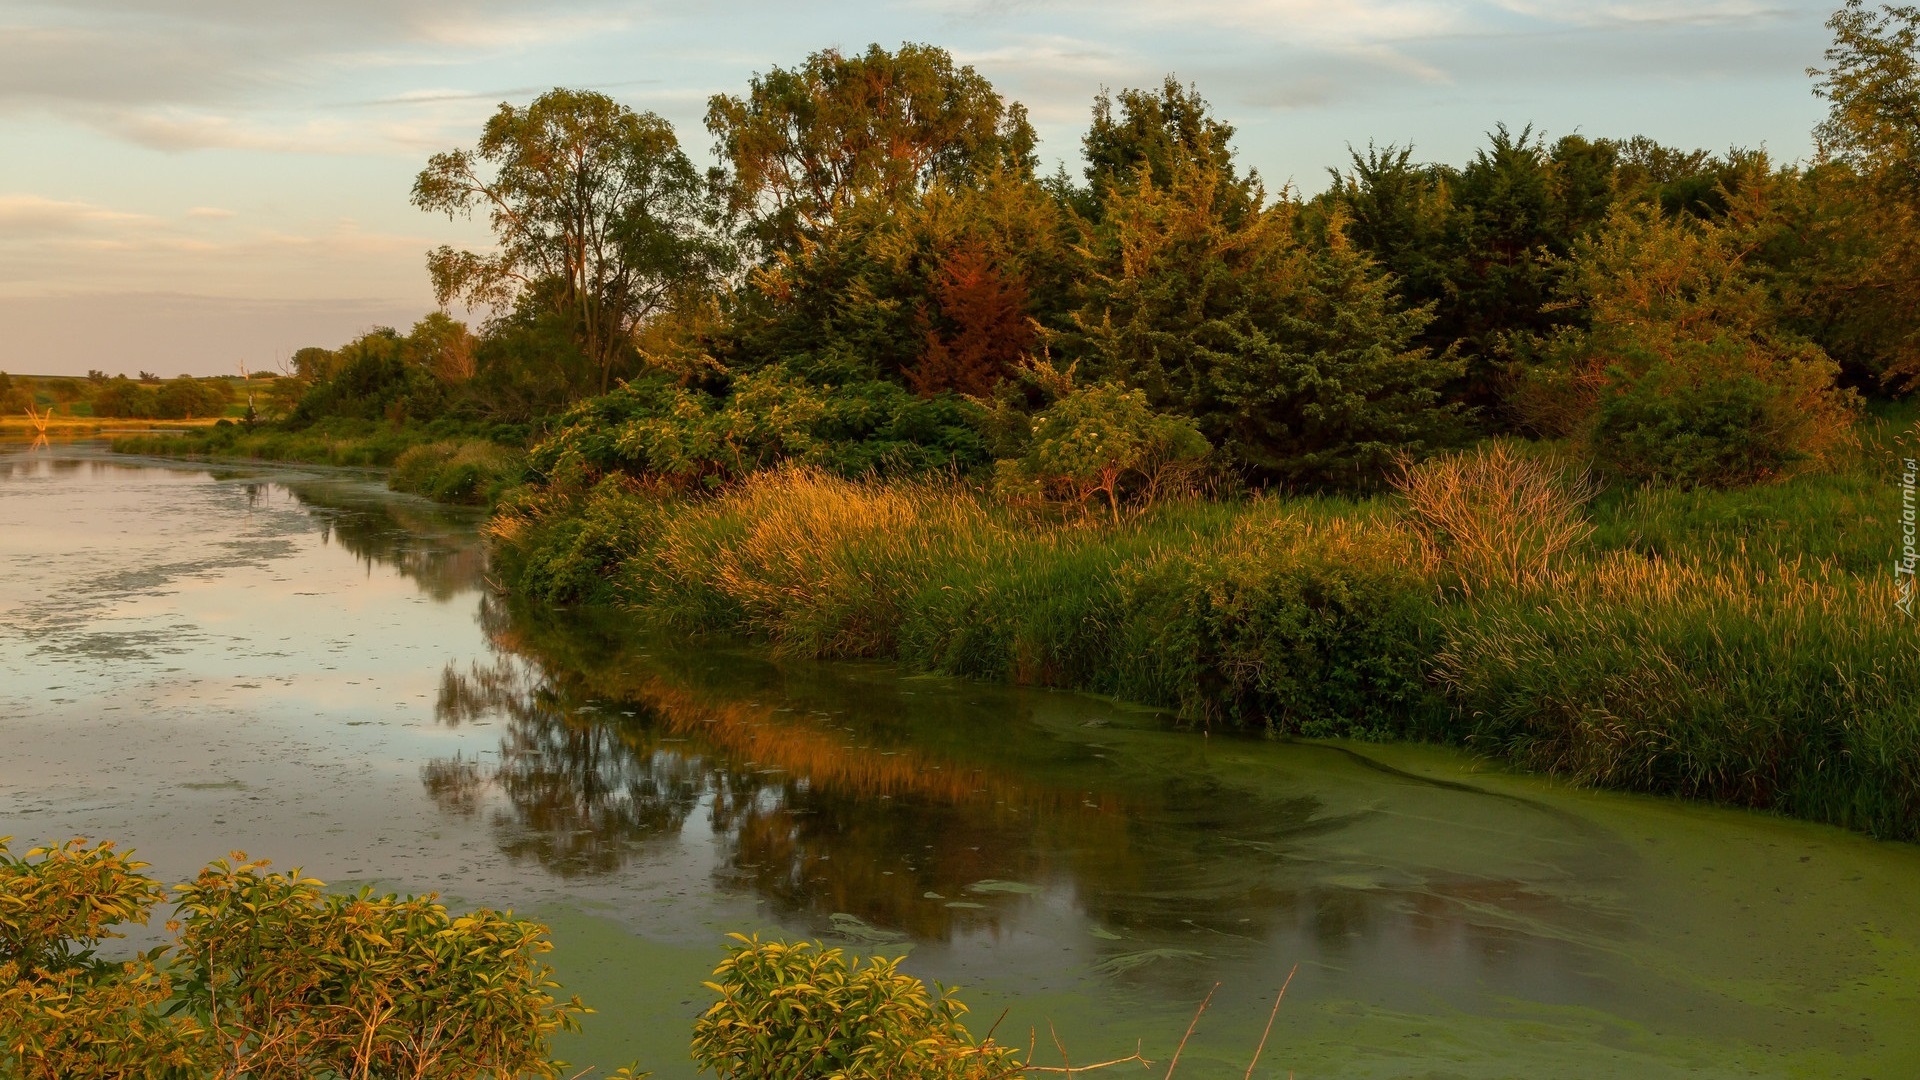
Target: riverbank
<point>1743,647</point>
<point>458,464</point>
<point>69,427</point>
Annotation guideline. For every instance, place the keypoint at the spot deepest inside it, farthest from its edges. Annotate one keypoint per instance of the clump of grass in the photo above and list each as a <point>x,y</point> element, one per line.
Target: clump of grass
<point>1495,517</point>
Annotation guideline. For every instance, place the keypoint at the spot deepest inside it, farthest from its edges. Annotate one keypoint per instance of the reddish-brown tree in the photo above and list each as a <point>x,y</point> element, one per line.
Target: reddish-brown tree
<point>985,313</point>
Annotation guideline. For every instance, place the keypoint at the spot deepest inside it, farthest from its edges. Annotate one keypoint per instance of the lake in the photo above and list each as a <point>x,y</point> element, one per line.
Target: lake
<point>302,665</point>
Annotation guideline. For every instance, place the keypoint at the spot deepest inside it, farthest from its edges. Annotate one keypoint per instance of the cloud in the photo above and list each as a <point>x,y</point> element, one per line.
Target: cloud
<point>213,213</point>
<point>25,217</point>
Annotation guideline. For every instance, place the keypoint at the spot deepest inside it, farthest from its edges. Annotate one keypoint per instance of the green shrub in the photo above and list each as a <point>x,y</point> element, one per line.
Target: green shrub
<point>469,471</point>
<point>268,976</point>
<point>660,431</point>
<point>1690,426</point>
<point>1305,632</point>
<point>1096,439</point>
<point>563,550</point>
<point>796,1012</point>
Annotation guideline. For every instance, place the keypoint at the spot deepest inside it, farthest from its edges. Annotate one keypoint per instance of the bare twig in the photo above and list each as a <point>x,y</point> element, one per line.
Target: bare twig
<point>1135,1056</point>
<point>1191,1024</point>
<point>1269,1028</point>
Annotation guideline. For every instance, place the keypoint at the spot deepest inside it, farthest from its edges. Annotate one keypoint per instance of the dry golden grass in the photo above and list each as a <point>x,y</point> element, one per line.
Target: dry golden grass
<point>1494,517</point>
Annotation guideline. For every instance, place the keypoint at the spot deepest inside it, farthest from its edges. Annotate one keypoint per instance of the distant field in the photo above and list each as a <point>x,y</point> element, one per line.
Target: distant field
<point>69,426</point>
<point>70,399</point>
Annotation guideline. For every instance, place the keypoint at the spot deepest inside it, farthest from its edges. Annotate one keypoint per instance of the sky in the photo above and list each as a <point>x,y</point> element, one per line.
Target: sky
<point>191,186</point>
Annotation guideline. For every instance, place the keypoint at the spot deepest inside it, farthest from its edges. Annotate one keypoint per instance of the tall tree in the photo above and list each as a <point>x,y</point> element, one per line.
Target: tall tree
<point>804,145</point>
<point>597,214</point>
<point>1153,133</point>
<point>1872,86</point>
<point>1293,357</point>
<point>1867,197</point>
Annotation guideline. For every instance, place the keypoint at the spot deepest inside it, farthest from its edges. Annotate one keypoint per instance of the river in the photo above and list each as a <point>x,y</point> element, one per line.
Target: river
<point>301,665</point>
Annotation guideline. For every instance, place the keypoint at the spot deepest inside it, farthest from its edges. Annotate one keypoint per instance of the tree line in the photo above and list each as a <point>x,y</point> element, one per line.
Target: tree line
<point>877,278</point>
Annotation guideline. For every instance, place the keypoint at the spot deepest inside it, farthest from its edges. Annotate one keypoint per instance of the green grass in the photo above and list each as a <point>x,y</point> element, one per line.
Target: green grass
<point>1740,646</point>
<point>445,462</point>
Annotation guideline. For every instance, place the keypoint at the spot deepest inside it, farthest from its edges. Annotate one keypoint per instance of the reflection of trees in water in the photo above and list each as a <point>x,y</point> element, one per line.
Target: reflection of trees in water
<point>820,810</point>
<point>582,790</point>
<point>438,548</point>
<point>825,802</point>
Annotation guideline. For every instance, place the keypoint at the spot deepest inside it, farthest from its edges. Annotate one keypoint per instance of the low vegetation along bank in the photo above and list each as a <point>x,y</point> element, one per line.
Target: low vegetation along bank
<point>450,463</point>
<point>1743,646</point>
<point>267,974</point>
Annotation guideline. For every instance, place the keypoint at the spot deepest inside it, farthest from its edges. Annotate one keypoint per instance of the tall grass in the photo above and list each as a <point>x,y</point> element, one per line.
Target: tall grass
<point>1738,646</point>
<point>1302,617</point>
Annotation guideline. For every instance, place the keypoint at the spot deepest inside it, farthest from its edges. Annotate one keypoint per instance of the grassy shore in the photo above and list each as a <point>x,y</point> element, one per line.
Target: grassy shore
<point>69,427</point>
<point>443,462</point>
<point>1740,646</point>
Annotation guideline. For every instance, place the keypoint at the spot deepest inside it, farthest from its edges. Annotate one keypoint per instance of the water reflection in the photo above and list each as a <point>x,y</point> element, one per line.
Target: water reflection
<point>432,545</point>
<point>882,810</point>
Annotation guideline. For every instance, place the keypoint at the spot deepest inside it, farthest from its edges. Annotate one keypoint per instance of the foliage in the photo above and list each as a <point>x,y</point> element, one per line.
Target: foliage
<point>806,144</point>
<point>58,903</point>
<point>791,1012</point>
<point>661,431</point>
<point>596,212</point>
<point>471,471</point>
<point>288,979</point>
<point>1157,135</point>
<point>184,398</point>
<point>1292,358</point>
<point>1685,374</point>
<point>122,398</point>
<point>16,394</point>
<point>1093,439</point>
<point>1872,86</point>
<point>268,976</point>
<point>377,376</point>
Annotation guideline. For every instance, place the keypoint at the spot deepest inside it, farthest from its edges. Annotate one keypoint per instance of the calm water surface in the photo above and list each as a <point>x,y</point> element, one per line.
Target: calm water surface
<point>304,666</point>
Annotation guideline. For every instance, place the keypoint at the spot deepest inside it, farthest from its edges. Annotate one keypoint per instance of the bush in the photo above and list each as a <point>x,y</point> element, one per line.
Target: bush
<point>268,976</point>
<point>1685,375</point>
<point>1095,439</point>
<point>1321,631</point>
<point>473,472</point>
<point>189,399</point>
<point>121,398</point>
<point>1694,425</point>
<point>794,1012</point>
<point>657,430</point>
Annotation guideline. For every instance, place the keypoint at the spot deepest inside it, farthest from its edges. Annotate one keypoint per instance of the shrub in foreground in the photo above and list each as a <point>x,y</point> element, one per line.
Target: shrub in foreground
<point>268,976</point>
<point>793,1012</point>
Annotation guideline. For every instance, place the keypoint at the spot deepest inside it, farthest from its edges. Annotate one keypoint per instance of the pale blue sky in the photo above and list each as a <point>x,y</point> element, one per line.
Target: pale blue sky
<point>186,185</point>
